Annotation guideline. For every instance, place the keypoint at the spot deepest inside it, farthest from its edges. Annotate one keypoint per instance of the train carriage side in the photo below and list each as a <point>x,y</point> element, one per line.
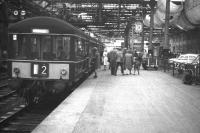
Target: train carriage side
<point>47,52</point>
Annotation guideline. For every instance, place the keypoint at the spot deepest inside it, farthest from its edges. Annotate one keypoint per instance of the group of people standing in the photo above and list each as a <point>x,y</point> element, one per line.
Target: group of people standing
<point>126,59</point>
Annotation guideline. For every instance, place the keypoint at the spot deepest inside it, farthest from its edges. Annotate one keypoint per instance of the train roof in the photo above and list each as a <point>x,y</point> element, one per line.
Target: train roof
<point>55,26</point>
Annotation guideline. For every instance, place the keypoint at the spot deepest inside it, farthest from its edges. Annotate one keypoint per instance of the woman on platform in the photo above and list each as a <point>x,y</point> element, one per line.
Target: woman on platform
<point>105,59</point>
<point>128,60</point>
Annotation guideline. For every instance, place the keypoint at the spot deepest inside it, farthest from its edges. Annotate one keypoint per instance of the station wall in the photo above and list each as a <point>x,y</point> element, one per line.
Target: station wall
<point>185,42</point>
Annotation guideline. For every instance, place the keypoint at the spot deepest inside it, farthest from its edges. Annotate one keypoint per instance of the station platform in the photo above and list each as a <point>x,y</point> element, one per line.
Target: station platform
<point>152,102</point>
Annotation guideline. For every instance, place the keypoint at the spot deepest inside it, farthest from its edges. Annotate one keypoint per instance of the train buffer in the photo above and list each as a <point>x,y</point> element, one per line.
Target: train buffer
<point>151,102</point>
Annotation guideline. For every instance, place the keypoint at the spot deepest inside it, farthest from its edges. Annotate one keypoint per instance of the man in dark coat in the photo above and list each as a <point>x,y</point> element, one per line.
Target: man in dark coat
<point>120,61</point>
<point>95,60</point>
<point>112,59</point>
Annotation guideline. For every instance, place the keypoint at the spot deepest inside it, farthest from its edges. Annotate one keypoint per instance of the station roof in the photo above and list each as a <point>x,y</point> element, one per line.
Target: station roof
<point>105,17</point>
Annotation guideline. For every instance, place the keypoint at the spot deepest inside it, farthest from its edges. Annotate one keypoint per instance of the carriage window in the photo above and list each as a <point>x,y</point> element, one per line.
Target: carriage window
<point>76,46</point>
<point>79,48</point>
<point>84,48</point>
<point>90,51</point>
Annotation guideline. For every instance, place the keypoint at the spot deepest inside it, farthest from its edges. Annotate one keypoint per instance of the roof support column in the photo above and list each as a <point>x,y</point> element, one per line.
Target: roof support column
<point>119,12</point>
<point>152,5</point>
<point>166,34</point>
<point>142,43</point>
<point>100,12</point>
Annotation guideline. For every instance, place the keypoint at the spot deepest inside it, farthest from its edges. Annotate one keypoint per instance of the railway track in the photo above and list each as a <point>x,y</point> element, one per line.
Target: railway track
<point>10,102</point>
<point>4,90</point>
<point>24,118</point>
<point>3,76</point>
<point>7,96</point>
<point>5,93</point>
<point>3,81</point>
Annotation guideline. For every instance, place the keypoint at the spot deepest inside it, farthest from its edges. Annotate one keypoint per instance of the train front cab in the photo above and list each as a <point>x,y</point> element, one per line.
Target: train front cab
<point>34,60</point>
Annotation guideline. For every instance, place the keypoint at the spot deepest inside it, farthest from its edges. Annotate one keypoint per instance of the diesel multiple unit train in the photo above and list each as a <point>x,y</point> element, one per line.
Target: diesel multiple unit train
<point>47,55</point>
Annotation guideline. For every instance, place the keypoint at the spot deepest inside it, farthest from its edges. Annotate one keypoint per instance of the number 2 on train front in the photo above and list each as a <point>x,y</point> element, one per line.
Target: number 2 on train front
<point>39,69</point>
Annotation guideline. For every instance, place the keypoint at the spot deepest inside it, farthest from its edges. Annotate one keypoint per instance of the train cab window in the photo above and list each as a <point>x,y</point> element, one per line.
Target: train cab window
<point>26,47</point>
<point>62,46</point>
<point>14,46</point>
<point>46,48</point>
<point>34,44</point>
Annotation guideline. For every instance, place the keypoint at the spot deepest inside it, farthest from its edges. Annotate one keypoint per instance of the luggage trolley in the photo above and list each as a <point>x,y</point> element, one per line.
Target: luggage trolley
<point>151,60</point>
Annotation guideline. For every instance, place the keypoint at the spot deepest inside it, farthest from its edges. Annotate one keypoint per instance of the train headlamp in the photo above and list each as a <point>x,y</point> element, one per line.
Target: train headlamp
<point>63,72</point>
<point>16,71</point>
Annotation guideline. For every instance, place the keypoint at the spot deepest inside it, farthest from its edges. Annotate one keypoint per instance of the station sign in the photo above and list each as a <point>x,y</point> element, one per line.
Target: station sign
<point>138,27</point>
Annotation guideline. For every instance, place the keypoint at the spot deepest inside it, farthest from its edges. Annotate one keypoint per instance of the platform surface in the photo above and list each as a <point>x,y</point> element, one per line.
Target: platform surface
<point>152,102</point>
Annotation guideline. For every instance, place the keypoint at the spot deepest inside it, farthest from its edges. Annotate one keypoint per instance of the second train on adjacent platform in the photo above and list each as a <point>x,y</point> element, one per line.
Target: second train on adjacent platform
<point>47,54</point>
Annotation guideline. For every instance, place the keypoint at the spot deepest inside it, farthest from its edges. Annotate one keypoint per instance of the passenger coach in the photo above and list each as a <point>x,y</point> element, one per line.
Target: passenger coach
<point>47,54</point>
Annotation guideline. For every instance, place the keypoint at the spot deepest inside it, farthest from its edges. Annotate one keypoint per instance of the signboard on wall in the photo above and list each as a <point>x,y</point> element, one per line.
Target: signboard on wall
<point>135,33</point>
